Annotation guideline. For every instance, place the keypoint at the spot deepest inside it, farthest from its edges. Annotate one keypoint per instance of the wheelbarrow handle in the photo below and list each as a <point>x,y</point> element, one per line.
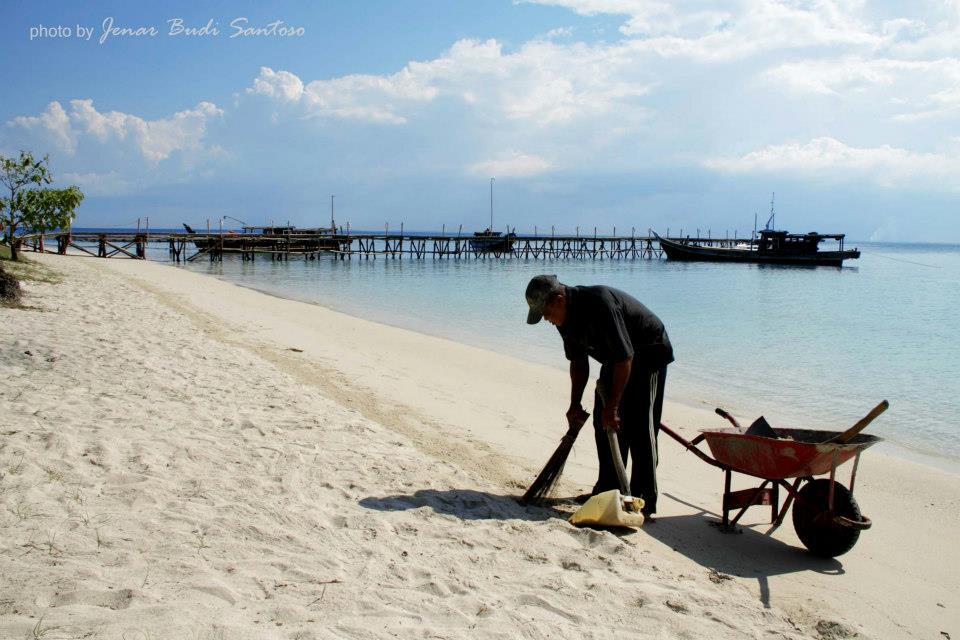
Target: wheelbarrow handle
<point>691,445</point>
<point>848,435</point>
<point>723,413</point>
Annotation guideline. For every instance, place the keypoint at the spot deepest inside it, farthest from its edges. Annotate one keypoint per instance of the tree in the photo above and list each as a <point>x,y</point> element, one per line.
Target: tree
<point>33,207</point>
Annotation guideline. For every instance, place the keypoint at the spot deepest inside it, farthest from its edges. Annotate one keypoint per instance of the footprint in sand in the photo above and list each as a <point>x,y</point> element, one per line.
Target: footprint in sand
<point>531,600</point>
<point>118,599</point>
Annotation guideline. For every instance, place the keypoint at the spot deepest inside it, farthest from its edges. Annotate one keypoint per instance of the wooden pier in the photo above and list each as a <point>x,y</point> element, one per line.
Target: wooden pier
<point>184,247</point>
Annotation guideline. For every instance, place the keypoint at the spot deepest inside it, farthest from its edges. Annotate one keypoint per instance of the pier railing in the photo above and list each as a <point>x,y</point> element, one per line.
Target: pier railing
<point>188,247</point>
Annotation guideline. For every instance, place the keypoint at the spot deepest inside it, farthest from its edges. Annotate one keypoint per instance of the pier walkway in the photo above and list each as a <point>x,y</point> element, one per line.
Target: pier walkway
<point>185,247</point>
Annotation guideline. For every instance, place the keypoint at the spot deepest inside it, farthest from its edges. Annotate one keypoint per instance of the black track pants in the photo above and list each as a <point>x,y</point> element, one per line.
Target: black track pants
<point>639,426</point>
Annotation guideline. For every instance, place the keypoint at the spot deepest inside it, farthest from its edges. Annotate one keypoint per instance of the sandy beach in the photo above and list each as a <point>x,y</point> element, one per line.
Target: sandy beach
<point>181,457</point>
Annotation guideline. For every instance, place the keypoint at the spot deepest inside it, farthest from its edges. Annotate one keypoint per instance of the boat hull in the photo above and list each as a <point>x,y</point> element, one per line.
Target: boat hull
<point>492,243</point>
<point>693,253</point>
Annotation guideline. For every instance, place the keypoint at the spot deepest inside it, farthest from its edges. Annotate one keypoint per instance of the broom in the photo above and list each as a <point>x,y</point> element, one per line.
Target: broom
<point>544,483</point>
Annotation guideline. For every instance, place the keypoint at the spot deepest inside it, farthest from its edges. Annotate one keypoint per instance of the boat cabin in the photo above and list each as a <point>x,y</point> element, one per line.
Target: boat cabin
<point>781,243</point>
<point>285,231</point>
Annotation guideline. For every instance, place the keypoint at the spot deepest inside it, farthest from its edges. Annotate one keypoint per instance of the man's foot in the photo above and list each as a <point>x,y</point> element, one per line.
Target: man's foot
<point>649,516</point>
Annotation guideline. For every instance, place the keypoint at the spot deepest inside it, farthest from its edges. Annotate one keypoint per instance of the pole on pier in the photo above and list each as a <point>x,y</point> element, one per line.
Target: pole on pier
<point>333,224</point>
<point>491,204</point>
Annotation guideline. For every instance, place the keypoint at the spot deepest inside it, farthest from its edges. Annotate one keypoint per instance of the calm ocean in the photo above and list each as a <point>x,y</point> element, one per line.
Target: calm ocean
<point>806,347</point>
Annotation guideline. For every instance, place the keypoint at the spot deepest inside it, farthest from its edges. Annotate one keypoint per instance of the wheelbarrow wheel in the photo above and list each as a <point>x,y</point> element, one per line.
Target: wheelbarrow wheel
<point>816,526</point>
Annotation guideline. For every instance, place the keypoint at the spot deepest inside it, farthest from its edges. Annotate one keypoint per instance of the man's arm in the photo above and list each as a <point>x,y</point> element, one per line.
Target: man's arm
<point>621,375</point>
<point>579,374</point>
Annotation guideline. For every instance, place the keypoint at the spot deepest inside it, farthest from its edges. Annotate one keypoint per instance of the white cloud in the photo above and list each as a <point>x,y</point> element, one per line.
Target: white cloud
<point>644,17</point>
<point>358,97</point>
<point>277,84</point>
<point>155,140</point>
<point>937,35</point>
<point>721,31</point>
<point>829,158</point>
<point>54,122</point>
<point>513,164</point>
<point>98,184</point>
<point>835,75</point>
<point>542,82</point>
<point>944,103</point>
<point>929,87</point>
<point>559,32</point>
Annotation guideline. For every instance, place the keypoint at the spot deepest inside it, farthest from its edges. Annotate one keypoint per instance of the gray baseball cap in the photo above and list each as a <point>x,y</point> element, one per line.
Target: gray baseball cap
<point>539,291</point>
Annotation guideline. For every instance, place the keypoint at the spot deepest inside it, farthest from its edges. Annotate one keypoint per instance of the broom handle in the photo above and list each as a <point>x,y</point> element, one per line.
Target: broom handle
<point>618,461</point>
<point>847,435</point>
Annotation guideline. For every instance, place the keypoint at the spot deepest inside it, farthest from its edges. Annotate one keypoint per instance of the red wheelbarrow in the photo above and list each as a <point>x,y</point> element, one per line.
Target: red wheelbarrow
<point>826,517</point>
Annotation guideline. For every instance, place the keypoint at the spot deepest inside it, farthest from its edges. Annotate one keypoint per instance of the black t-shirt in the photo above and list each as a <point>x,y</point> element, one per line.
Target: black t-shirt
<point>610,325</point>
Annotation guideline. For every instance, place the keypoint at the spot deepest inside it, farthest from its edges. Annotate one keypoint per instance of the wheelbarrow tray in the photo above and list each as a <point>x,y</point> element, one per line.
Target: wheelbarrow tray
<point>798,453</point>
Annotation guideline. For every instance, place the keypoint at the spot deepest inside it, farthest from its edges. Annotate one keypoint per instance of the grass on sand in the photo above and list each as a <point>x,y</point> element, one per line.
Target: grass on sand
<point>26,269</point>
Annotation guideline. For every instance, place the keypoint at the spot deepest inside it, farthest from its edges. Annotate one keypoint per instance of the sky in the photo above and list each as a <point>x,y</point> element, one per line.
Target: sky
<point>625,114</point>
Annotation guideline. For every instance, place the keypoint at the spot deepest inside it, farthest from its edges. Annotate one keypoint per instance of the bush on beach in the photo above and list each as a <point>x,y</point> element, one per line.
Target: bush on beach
<point>9,287</point>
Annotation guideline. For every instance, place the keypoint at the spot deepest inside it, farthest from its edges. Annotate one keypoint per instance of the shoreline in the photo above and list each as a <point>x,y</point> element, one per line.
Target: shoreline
<point>358,445</point>
<point>904,452</point>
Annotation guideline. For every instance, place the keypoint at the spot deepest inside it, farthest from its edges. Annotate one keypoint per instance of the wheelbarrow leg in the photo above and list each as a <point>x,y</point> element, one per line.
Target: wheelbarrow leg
<point>774,501</point>
<point>753,500</point>
<point>726,492</point>
<point>791,491</point>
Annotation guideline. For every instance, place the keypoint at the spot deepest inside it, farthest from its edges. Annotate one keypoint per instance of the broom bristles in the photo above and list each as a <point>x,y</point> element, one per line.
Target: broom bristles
<point>549,476</point>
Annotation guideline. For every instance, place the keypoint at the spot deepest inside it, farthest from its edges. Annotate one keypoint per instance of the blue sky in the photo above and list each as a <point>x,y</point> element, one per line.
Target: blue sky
<point>621,113</point>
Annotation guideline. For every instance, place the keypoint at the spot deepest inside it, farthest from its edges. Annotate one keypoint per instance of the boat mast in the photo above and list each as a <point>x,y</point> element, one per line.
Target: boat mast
<point>333,225</point>
<point>491,204</point>
<point>770,220</point>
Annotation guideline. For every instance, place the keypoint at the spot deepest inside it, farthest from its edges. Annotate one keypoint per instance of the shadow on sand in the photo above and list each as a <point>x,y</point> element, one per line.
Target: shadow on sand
<point>747,554</point>
<point>466,504</point>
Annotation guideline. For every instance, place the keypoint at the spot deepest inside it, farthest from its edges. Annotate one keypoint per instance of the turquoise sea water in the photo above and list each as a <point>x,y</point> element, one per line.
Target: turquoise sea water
<point>810,347</point>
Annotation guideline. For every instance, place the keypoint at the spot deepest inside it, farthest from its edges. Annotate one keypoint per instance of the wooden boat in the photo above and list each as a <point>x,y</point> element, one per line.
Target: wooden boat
<point>253,238</point>
<point>489,241</point>
<point>773,247</point>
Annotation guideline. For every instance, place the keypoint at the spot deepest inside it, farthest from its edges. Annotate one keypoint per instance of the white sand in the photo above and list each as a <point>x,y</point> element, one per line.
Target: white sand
<point>171,469</point>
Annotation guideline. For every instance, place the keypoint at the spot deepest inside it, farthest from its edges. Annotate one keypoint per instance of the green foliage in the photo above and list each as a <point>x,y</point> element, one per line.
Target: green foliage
<point>31,206</point>
<point>46,209</point>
